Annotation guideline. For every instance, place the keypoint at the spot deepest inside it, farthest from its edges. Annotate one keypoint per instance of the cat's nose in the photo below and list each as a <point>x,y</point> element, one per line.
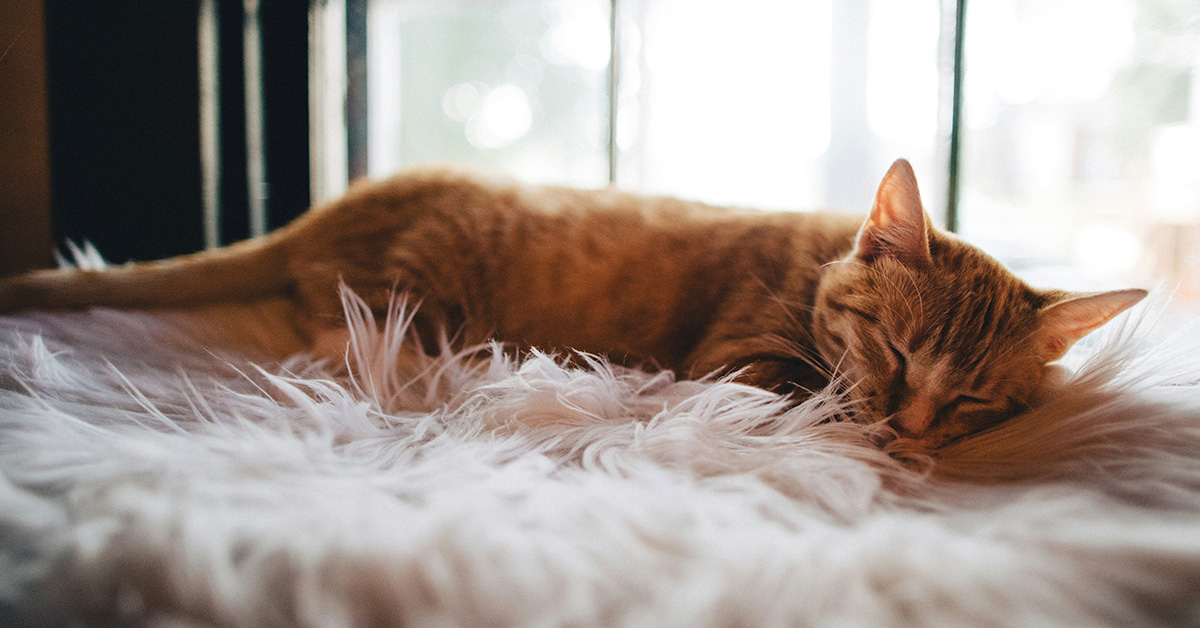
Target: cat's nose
<point>912,421</point>
<point>902,431</point>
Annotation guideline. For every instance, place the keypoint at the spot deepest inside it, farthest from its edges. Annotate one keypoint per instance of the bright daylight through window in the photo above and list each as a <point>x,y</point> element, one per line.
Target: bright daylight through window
<point>1080,160</point>
<point>1082,142</point>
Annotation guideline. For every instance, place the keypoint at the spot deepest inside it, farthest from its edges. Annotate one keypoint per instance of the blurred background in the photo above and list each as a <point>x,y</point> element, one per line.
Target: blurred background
<point>1063,136</point>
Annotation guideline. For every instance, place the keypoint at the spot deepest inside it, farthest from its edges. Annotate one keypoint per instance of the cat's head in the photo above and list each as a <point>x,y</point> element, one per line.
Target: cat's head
<point>935,336</point>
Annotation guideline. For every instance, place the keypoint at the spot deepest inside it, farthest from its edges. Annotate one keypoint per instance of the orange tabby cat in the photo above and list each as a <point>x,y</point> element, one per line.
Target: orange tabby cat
<point>937,337</point>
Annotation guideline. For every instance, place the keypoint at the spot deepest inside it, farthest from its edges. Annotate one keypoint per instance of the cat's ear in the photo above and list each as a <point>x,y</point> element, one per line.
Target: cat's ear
<point>1065,322</point>
<point>897,226</point>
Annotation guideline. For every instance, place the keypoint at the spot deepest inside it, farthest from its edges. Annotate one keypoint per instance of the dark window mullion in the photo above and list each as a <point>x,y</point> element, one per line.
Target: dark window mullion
<point>614,76</point>
<point>255,115</point>
<point>356,88</point>
<point>123,82</point>
<point>956,113</point>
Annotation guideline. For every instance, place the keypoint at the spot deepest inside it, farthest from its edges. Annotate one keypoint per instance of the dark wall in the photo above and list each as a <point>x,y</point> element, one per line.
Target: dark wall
<point>24,148</point>
<point>125,147</point>
<point>123,79</point>
<point>285,83</point>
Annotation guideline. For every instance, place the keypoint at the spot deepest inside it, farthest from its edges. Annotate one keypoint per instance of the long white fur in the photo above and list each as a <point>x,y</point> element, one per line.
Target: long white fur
<point>193,469</point>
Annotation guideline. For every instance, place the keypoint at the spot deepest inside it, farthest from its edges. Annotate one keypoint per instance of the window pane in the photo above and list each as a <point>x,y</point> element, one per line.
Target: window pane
<point>779,104</point>
<point>517,86</point>
<point>1083,140</point>
<point>757,103</point>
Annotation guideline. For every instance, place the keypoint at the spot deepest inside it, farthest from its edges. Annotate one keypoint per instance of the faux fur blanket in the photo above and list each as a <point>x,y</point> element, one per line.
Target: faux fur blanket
<point>194,469</point>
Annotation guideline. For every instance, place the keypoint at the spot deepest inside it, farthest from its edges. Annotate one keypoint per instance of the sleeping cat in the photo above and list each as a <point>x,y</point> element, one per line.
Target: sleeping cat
<point>935,336</point>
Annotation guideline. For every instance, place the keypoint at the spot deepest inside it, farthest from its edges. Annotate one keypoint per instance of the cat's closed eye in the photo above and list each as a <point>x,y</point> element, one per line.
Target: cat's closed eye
<point>975,410</point>
<point>970,400</point>
<point>901,361</point>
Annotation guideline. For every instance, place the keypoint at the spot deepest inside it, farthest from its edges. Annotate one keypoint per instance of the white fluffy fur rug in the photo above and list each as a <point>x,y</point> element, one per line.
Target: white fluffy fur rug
<point>192,469</point>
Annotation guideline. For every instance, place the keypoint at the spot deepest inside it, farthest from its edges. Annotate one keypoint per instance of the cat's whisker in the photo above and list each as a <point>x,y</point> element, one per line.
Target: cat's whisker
<point>851,262</point>
<point>788,306</point>
<point>797,350</point>
<point>920,314</point>
<point>913,315</point>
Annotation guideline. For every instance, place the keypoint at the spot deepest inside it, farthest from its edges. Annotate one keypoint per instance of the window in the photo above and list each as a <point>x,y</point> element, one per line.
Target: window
<point>1082,141</point>
<point>763,103</point>
<point>1080,119</point>
<point>1075,161</point>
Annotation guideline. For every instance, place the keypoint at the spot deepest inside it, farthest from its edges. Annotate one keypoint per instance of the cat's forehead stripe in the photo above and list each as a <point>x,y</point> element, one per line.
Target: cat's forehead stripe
<point>968,332</point>
<point>971,324</point>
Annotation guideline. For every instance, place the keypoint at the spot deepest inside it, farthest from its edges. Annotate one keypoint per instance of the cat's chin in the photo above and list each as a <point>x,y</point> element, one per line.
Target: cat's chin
<point>904,447</point>
<point>887,438</point>
<point>914,454</point>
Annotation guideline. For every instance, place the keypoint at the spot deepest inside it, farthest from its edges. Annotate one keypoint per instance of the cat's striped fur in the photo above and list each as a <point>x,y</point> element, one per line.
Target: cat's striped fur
<point>933,335</point>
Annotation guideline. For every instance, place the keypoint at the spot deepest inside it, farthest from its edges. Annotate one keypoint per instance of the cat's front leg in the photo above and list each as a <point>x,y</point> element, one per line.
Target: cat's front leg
<point>772,375</point>
<point>785,376</point>
<point>757,367</point>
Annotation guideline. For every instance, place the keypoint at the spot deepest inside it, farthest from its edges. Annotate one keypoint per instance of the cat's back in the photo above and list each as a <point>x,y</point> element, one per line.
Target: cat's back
<point>449,192</point>
<point>497,214</point>
<point>605,269</point>
<point>498,221</point>
<point>576,266</point>
<point>483,202</point>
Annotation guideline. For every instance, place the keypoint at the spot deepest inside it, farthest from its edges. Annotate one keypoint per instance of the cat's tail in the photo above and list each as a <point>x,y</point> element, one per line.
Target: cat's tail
<point>246,270</point>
